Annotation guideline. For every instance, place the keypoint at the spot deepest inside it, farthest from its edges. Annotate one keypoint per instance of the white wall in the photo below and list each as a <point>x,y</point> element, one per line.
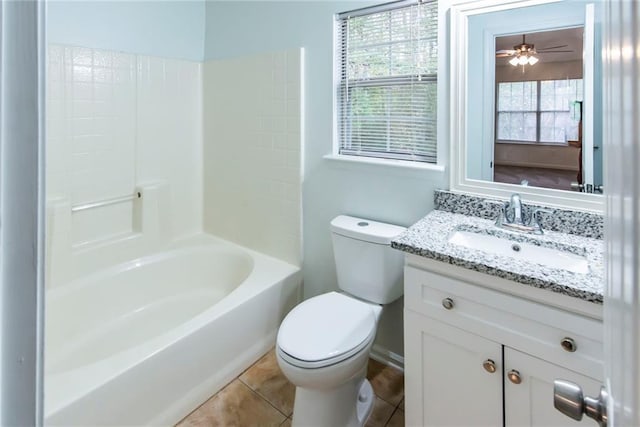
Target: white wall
<point>252,152</point>
<point>395,195</point>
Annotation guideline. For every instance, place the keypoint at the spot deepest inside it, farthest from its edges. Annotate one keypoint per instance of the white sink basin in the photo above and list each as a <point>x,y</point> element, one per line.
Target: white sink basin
<point>554,258</point>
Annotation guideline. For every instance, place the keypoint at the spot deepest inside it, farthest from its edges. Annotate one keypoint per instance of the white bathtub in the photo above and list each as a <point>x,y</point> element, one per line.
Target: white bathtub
<point>147,341</point>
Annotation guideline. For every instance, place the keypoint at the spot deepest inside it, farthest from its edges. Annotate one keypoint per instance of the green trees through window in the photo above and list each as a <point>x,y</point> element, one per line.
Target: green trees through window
<point>387,93</point>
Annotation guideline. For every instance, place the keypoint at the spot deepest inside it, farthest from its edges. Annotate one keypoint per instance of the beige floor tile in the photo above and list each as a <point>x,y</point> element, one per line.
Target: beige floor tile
<point>266,379</point>
<point>397,419</point>
<point>401,406</point>
<point>286,423</point>
<point>387,382</point>
<point>382,411</point>
<point>234,406</point>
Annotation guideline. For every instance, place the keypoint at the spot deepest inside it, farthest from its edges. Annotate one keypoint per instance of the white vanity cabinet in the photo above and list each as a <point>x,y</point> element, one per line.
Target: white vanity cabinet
<point>530,403</point>
<point>445,382</point>
<point>477,353</point>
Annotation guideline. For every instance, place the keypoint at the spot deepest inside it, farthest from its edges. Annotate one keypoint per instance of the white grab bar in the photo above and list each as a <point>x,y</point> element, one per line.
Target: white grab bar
<point>91,205</point>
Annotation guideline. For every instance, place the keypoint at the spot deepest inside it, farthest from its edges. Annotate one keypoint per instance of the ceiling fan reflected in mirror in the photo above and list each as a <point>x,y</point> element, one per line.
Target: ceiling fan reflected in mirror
<point>525,53</point>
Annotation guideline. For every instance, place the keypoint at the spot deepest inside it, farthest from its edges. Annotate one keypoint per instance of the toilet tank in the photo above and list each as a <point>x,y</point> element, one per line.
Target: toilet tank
<point>366,265</point>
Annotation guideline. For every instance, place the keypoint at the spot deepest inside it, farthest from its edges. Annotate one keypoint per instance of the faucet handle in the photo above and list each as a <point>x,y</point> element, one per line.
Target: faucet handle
<point>540,210</point>
<point>535,220</point>
<point>503,209</point>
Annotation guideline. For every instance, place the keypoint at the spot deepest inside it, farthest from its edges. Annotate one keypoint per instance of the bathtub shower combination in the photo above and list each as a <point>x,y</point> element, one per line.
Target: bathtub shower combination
<point>150,309</point>
<point>147,340</point>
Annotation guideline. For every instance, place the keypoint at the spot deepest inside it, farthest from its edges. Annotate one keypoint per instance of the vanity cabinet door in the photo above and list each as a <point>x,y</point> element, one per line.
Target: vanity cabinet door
<point>456,376</point>
<point>528,391</point>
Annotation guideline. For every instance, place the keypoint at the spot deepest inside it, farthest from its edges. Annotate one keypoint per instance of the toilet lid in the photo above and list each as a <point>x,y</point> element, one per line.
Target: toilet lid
<point>326,327</point>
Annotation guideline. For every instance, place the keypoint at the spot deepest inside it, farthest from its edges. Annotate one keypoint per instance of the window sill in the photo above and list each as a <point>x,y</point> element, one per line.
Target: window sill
<point>397,165</point>
<point>540,144</point>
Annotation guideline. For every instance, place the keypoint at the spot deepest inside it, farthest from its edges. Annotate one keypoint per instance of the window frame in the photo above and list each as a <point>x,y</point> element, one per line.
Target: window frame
<point>384,157</point>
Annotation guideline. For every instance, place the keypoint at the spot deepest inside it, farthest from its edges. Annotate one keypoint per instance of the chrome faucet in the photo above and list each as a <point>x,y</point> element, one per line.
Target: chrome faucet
<point>511,217</point>
<point>513,210</point>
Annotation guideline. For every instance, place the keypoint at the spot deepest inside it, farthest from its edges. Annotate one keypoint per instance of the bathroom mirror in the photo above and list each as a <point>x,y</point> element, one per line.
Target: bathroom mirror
<point>526,87</point>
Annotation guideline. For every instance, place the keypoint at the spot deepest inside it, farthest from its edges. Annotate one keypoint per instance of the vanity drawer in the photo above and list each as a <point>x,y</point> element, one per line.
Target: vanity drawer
<point>564,338</point>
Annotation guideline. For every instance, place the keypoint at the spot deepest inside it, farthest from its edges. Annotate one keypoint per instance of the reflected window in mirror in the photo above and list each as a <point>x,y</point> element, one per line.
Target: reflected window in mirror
<point>539,94</point>
<point>514,132</point>
<point>525,117</point>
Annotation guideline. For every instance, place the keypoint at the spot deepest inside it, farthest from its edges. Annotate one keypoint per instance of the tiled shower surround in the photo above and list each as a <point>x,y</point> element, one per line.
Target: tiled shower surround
<point>219,142</point>
<point>116,120</point>
<point>252,133</point>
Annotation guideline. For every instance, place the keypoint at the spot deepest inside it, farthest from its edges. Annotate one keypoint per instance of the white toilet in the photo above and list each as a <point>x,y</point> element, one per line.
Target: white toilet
<point>323,344</point>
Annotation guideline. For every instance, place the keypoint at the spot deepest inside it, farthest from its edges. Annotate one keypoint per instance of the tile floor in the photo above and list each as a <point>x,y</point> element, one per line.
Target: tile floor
<point>262,396</point>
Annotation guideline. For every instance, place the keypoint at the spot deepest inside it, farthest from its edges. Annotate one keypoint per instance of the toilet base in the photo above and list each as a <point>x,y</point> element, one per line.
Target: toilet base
<point>349,405</point>
<point>366,400</point>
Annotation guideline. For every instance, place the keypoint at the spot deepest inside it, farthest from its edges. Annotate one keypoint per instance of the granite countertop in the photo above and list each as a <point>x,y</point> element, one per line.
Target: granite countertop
<point>429,238</point>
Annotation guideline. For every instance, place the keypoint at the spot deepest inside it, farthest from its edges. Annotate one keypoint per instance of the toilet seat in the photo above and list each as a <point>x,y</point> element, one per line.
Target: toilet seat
<point>326,330</point>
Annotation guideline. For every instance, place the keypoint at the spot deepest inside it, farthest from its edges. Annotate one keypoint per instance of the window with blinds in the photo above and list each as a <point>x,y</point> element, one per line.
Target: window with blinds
<point>537,111</point>
<point>387,59</point>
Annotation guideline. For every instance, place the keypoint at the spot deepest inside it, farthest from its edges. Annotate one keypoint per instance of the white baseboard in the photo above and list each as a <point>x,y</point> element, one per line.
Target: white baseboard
<point>387,357</point>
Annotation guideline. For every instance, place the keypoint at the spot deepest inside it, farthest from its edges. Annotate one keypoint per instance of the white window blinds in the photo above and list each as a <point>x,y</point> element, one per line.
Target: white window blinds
<point>387,66</point>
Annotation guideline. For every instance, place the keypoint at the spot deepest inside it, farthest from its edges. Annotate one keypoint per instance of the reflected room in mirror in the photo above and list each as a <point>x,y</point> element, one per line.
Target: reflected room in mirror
<point>538,109</point>
<point>527,86</point>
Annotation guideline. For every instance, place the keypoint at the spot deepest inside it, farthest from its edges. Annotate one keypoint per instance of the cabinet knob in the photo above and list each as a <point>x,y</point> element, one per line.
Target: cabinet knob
<point>514,376</point>
<point>569,344</point>
<point>489,366</point>
<point>448,303</point>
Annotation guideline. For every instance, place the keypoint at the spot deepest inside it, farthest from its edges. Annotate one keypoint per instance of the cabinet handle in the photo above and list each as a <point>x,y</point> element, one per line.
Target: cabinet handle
<point>569,344</point>
<point>489,366</point>
<point>448,303</point>
<point>514,376</point>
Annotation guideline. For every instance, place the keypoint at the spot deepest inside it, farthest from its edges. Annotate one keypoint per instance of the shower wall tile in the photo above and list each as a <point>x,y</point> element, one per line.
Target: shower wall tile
<point>111,127</point>
<point>90,137</point>
<point>169,138</point>
<point>252,151</point>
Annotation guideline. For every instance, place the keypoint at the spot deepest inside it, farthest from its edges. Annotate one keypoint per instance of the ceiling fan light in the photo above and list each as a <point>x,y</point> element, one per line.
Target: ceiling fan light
<point>514,61</point>
<point>523,59</point>
<point>532,60</point>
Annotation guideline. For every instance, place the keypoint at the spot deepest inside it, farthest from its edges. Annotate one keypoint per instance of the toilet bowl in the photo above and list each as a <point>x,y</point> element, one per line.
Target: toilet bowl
<point>323,344</point>
<point>323,349</point>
